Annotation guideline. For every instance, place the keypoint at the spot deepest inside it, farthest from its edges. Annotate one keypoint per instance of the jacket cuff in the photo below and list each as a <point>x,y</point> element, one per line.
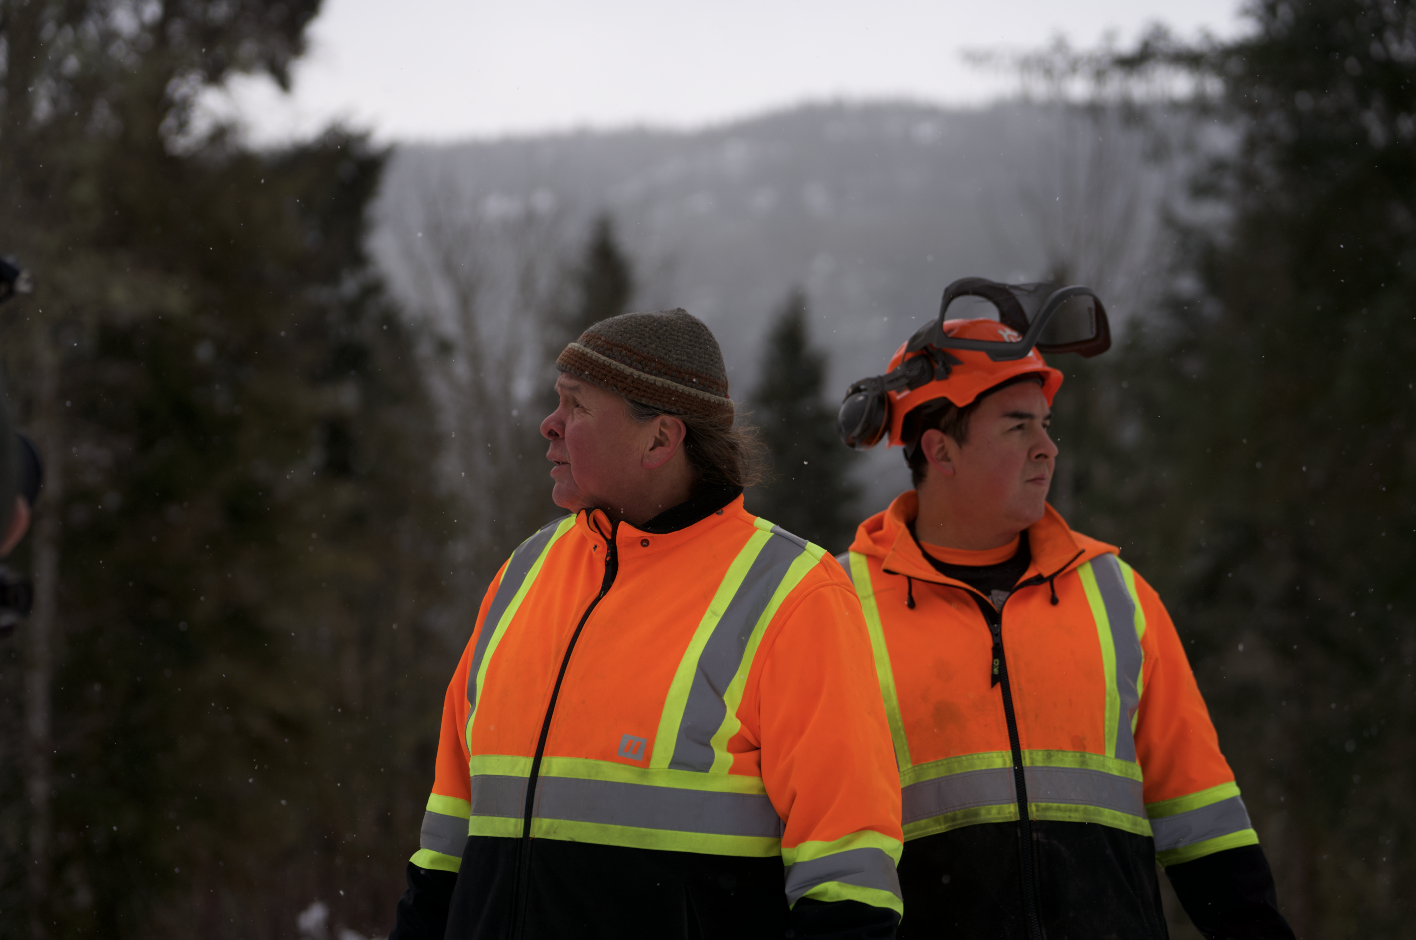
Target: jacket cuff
<point>1230,895</point>
<point>422,911</point>
<point>842,920</point>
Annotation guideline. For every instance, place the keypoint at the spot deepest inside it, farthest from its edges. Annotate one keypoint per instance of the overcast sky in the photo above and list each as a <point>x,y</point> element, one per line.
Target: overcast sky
<point>453,69</point>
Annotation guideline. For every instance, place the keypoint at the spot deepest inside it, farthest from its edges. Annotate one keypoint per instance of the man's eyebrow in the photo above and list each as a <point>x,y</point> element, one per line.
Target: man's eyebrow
<point>1021,415</point>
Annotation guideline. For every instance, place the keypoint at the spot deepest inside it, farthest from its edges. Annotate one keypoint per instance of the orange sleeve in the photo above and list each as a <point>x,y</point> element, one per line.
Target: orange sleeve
<point>827,760</point>
<point>1176,743</point>
<point>448,809</point>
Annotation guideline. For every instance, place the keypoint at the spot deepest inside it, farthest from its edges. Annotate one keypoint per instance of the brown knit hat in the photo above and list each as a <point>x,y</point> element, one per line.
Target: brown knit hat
<point>667,360</point>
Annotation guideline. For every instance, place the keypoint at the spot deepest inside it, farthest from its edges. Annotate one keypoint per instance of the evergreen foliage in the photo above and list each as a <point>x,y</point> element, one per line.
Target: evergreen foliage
<point>603,280</point>
<point>812,494</point>
<point>221,721</point>
<point>1261,470</point>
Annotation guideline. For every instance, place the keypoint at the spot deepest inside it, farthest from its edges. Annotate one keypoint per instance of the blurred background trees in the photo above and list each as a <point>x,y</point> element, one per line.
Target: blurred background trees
<point>1261,468</point>
<point>238,550</point>
<point>811,492</point>
<point>277,489</point>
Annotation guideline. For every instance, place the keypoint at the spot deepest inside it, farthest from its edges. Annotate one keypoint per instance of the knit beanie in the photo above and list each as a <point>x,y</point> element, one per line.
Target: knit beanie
<point>667,360</point>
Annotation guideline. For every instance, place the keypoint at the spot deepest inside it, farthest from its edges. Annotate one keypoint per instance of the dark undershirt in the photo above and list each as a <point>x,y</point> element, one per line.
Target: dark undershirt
<point>992,581</point>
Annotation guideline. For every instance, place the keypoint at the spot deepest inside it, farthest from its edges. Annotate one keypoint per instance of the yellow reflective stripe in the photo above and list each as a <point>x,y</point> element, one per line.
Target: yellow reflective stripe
<point>508,615</point>
<point>677,700</point>
<point>1108,653</point>
<point>1188,853</point>
<point>449,806</point>
<point>865,839</point>
<point>987,760</point>
<point>503,827</point>
<point>1001,812</point>
<point>732,697</point>
<point>992,760</point>
<point>1075,812</point>
<point>1084,761</point>
<point>1129,575</point>
<point>884,672</point>
<point>662,839</point>
<point>835,891</point>
<point>1183,804</point>
<point>583,768</point>
<point>499,765</point>
<point>1008,812</point>
<point>437,861</point>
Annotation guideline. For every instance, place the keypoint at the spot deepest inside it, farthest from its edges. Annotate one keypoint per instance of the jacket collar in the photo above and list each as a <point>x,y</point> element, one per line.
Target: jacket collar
<point>705,509</point>
<point>886,535</point>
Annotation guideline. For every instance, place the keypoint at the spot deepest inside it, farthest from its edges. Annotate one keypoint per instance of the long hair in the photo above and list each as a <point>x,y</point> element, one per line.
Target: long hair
<point>720,455</point>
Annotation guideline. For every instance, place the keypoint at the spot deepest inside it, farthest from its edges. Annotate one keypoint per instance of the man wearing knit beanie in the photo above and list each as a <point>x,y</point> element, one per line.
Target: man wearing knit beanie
<point>665,723</point>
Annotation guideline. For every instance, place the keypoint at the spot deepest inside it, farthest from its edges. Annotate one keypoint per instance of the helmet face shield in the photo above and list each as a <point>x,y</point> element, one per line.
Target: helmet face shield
<point>1070,319</point>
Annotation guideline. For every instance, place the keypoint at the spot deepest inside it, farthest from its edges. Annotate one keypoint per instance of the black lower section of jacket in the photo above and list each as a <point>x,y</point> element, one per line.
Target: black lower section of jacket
<point>582,890</point>
<point>1093,883</point>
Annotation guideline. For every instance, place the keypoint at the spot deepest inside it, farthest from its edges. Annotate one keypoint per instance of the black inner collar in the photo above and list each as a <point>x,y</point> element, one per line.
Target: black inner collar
<point>985,579</point>
<point>704,501</point>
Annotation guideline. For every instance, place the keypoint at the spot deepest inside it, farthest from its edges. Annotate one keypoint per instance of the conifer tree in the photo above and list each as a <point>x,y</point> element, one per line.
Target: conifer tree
<point>603,280</point>
<point>219,716</point>
<point>1261,473</point>
<point>811,492</point>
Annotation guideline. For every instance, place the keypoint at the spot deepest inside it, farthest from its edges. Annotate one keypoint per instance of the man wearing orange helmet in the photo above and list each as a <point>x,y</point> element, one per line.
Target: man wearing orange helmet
<point>1051,741</point>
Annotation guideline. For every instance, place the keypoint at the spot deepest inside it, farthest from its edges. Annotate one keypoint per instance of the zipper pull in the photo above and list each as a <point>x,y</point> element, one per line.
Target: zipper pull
<point>997,660</point>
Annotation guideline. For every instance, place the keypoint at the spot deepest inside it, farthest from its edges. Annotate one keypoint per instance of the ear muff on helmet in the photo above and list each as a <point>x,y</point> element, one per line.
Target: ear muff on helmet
<point>865,414</point>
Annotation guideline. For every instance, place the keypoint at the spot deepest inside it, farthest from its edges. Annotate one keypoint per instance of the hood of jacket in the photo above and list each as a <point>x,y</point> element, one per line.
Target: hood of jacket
<point>886,536</point>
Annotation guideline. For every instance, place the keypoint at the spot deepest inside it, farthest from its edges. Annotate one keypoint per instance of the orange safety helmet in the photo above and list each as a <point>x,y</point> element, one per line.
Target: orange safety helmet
<point>970,376</point>
<point>962,358</point>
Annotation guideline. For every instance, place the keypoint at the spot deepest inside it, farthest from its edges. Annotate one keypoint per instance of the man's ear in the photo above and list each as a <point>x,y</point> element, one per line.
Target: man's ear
<point>667,440</point>
<point>939,449</point>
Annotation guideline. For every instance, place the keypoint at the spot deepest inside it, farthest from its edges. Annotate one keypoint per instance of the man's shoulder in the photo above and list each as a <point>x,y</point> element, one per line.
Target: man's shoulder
<point>825,569</point>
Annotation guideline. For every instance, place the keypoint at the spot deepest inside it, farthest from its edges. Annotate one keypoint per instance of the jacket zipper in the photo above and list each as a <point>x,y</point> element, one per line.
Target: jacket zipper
<point>523,869</point>
<point>994,618</point>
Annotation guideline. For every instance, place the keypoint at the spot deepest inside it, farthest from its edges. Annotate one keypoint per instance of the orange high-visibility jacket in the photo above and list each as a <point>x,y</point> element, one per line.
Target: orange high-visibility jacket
<point>1086,702</point>
<point>704,691</point>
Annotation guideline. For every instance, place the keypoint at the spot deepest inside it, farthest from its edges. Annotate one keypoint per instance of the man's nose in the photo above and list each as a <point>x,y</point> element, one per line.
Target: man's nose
<point>1046,449</point>
<point>550,427</point>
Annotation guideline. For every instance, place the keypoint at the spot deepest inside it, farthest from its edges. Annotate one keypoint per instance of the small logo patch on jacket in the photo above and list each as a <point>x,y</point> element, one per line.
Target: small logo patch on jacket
<point>632,747</point>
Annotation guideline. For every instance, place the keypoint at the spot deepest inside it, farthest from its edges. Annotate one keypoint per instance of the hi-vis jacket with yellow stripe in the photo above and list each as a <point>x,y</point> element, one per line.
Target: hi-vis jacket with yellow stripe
<point>666,734</point>
<point>1071,698</point>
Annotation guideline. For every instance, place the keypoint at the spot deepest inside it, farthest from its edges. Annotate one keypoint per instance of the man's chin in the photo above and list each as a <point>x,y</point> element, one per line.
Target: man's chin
<point>568,497</point>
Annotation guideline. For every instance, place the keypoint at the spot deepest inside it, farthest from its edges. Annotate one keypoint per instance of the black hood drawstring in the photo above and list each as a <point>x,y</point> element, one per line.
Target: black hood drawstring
<point>909,593</point>
<point>1052,583</point>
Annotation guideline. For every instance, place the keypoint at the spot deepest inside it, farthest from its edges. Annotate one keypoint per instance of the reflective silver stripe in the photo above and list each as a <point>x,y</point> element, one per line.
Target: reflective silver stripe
<point>1197,825</point>
<point>612,803</point>
<point>1121,612</point>
<point>721,658</point>
<point>516,570</point>
<point>1081,787</point>
<point>445,834</point>
<point>994,787</point>
<point>955,792</point>
<point>865,868</point>
<point>498,796</point>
